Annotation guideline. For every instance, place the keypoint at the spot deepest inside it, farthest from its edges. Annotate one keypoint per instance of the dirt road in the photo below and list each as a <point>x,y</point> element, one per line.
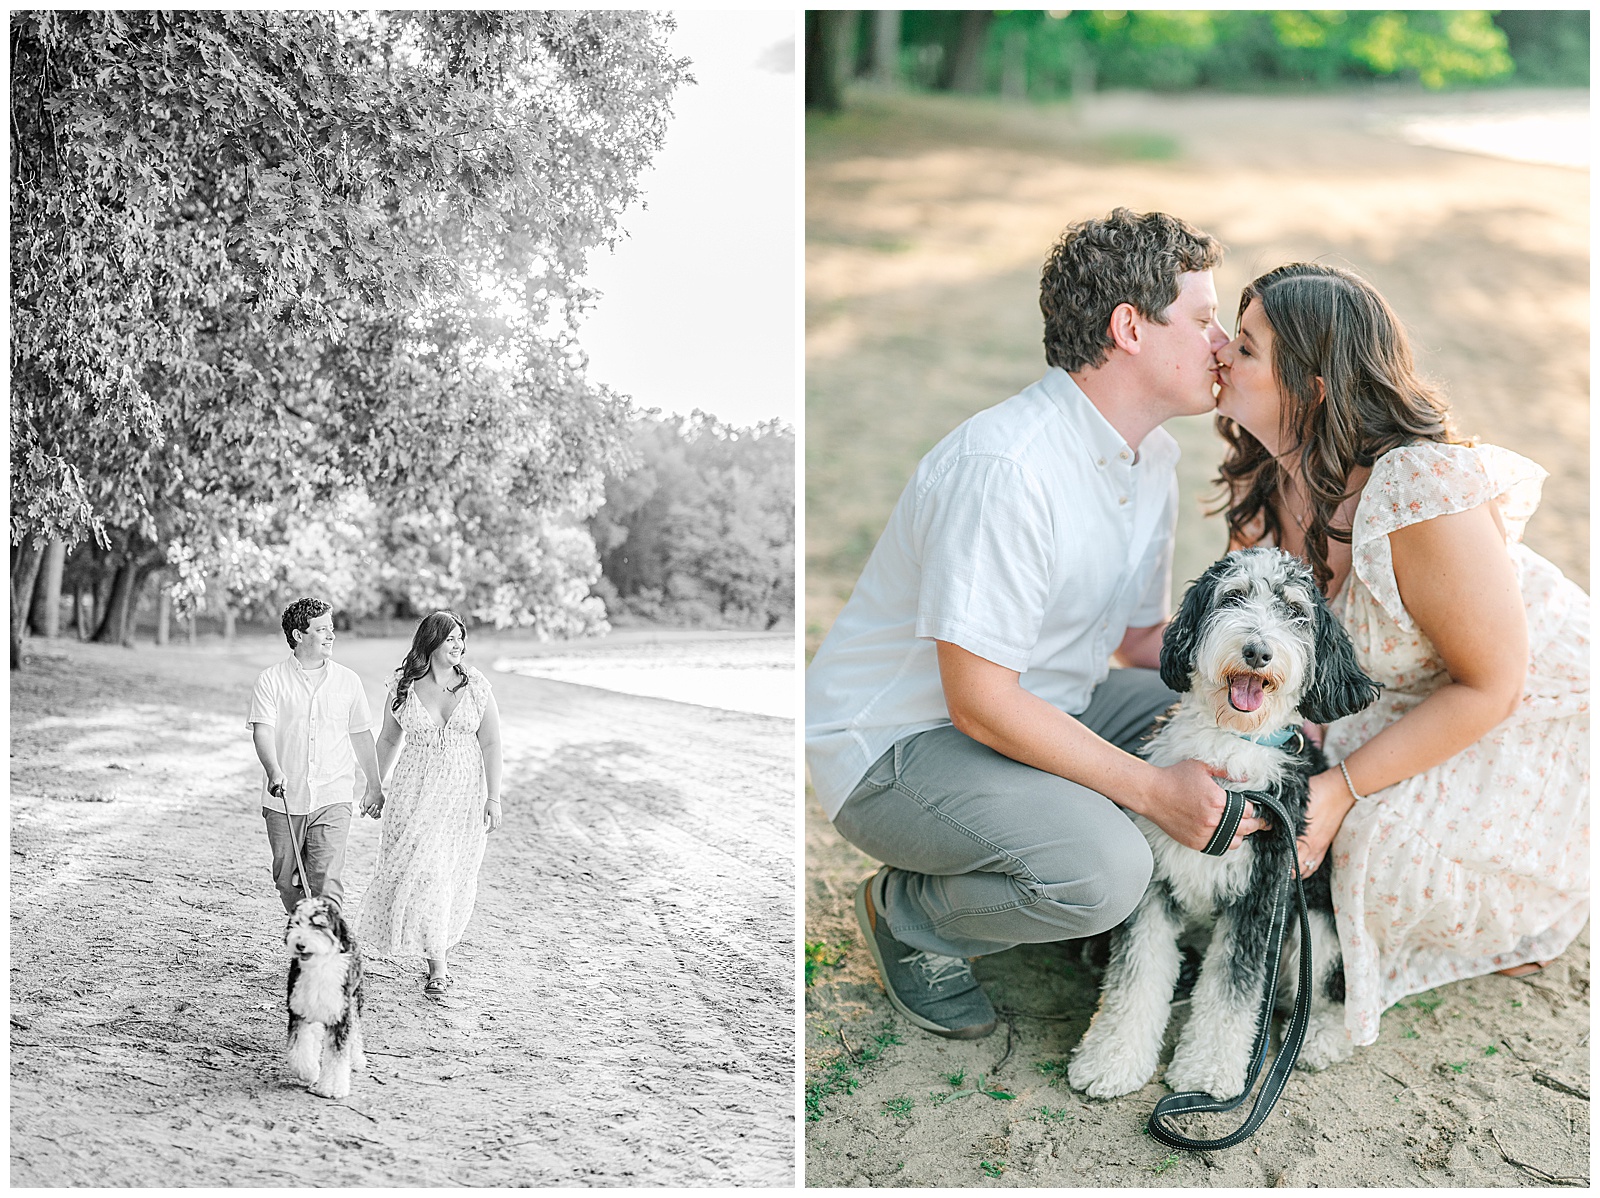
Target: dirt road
<point>927,220</point>
<point>624,1007</point>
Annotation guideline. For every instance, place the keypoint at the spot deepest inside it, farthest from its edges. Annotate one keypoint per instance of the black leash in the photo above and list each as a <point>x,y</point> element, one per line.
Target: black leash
<point>1195,1101</point>
<point>294,842</point>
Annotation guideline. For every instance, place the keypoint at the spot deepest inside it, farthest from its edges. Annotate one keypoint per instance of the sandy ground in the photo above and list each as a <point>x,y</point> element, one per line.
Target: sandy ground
<point>927,220</point>
<point>624,1007</point>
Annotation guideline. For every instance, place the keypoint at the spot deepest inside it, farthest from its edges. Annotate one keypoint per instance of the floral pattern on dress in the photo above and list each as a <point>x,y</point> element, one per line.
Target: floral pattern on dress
<point>1481,862</point>
<point>433,830</point>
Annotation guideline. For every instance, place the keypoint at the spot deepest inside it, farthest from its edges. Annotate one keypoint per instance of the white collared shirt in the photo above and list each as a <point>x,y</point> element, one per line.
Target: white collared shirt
<point>1032,536</point>
<point>312,724</point>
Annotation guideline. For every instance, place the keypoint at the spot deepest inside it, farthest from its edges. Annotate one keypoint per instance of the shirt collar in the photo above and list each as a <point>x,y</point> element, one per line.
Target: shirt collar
<point>1103,443</point>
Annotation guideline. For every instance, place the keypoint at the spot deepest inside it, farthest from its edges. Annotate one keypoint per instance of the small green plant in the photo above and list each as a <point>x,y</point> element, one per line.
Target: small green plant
<point>837,1077</point>
<point>899,1108</point>
<point>1055,1070</point>
<point>1516,1002</point>
<point>992,1168</point>
<point>1047,1115</point>
<point>955,1079</point>
<point>819,955</point>
<point>1490,1051</point>
<point>1428,1003</point>
<point>995,1092</point>
<point>1411,1034</point>
<point>1162,1166</point>
<point>1457,1068</point>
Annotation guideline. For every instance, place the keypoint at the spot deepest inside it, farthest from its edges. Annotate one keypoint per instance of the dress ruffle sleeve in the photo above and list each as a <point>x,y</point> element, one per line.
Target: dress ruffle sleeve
<point>1419,482</point>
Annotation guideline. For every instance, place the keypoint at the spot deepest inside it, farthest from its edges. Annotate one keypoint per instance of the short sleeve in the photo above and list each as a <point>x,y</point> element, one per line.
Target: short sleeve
<point>984,534</point>
<point>263,702</point>
<point>478,686</point>
<point>1415,483</point>
<point>360,713</point>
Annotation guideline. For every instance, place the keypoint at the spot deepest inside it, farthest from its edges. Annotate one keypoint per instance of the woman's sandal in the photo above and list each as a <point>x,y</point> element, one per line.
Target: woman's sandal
<point>435,987</point>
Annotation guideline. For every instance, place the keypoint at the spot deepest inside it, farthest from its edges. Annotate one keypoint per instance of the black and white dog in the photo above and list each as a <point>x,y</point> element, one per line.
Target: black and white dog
<point>1254,650</point>
<point>325,998</point>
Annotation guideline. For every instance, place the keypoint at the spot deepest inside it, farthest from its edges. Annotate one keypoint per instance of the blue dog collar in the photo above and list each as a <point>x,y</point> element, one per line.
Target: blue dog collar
<point>1273,740</point>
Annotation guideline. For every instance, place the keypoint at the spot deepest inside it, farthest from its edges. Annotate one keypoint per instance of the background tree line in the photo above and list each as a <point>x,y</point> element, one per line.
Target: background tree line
<point>295,296</point>
<point>1045,55</point>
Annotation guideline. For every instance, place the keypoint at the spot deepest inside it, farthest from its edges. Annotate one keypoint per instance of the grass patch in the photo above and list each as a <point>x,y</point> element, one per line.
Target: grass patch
<point>822,956</point>
<point>1055,1071</point>
<point>1427,1003</point>
<point>1052,1115</point>
<point>1161,1167</point>
<point>992,1168</point>
<point>899,1108</point>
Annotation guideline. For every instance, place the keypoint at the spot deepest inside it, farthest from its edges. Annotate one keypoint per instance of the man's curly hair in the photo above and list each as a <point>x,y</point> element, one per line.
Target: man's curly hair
<point>1127,258</point>
<point>298,615</point>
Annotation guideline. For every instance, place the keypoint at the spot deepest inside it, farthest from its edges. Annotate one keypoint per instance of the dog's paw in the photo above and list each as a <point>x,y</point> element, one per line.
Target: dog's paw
<point>1219,1074</point>
<point>1327,1042</point>
<point>1102,1068</point>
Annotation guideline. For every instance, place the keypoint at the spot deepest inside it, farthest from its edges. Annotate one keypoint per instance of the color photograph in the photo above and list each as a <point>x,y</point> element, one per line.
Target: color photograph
<point>1197,475</point>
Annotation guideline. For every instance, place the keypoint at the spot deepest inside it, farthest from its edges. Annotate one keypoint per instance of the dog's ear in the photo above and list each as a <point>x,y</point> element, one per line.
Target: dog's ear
<point>338,928</point>
<point>1339,687</point>
<point>1182,638</point>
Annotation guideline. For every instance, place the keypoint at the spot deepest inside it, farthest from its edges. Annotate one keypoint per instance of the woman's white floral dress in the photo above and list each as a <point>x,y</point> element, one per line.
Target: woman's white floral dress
<point>1482,862</point>
<point>433,831</point>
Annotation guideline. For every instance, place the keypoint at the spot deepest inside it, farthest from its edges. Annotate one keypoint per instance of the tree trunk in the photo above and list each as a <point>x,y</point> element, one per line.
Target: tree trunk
<point>109,630</point>
<point>190,626</point>
<point>130,611</point>
<point>82,610</point>
<point>45,618</point>
<point>886,46</point>
<point>964,68</point>
<point>163,616</point>
<point>229,621</point>
<point>25,562</point>
<point>830,46</point>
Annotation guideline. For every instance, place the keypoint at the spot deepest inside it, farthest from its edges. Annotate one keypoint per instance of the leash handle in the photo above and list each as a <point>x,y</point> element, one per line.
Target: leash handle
<point>1195,1101</point>
<point>276,790</point>
<point>1232,815</point>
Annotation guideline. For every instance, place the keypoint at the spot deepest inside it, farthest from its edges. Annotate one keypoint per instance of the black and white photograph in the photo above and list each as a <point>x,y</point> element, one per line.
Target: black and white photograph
<point>403,691</point>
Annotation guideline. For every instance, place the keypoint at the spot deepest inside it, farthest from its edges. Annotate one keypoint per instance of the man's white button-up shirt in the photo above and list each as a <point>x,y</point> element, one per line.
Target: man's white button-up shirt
<point>1031,536</point>
<point>312,724</point>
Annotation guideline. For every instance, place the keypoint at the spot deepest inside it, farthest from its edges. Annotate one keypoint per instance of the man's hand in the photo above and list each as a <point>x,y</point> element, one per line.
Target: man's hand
<point>1187,804</point>
<point>275,784</point>
<point>372,802</point>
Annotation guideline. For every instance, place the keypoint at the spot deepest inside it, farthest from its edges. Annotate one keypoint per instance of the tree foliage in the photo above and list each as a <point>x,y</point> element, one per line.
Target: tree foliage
<point>265,259</point>
<point>700,530</point>
<point>1044,54</point>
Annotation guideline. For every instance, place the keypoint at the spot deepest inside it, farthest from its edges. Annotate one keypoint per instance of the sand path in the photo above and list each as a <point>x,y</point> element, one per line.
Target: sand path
<point>623,1013</point>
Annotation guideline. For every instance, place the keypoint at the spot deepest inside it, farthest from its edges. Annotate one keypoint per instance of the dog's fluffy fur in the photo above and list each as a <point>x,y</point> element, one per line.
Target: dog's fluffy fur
<point>1253,649</point>
<point>325,998</point>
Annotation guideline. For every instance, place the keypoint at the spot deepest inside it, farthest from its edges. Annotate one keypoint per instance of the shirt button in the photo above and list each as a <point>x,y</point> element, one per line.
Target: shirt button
<point>1101,462</point>
<point>1123,455</point>
<point>1122,499</point>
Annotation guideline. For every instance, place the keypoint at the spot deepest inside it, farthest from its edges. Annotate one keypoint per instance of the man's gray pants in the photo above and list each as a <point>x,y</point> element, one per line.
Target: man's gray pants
<point>989,853</point>
<point>322,836</point>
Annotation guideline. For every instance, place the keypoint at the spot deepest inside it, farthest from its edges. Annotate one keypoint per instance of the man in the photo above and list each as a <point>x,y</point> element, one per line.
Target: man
<point>963,721</point>
<point>312,727</point>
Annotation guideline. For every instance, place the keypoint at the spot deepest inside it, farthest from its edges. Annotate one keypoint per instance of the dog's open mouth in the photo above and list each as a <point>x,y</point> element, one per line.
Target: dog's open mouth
<point>1246,691</point>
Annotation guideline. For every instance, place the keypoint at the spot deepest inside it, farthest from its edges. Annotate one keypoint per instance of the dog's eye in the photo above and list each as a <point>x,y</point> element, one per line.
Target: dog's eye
<point>1230,598</point>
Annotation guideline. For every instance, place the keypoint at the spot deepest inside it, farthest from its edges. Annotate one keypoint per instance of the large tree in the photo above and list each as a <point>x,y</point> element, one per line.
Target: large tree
<point>265,257</point>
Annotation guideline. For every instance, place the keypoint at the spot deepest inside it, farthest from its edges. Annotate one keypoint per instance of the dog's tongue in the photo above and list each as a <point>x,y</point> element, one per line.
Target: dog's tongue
<point>1244,692</point>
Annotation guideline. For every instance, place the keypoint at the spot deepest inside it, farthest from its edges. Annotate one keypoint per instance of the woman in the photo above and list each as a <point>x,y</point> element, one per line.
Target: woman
<point>1457,812</point>
<point>442,802</point>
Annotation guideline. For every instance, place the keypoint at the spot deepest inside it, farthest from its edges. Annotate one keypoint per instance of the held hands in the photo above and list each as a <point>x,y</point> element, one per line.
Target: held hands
<point>1329,803</point>
<point>1188,805</point>
<point>491,814</point>
<point>372,803</point>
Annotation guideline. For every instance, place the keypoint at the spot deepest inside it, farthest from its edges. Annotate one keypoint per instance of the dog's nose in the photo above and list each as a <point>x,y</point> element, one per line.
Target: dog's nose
<point>1256,656</point>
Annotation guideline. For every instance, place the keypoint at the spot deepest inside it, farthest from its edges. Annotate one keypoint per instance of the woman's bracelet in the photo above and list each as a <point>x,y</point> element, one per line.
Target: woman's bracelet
<point>496,802</point>
<point>1353,793</point>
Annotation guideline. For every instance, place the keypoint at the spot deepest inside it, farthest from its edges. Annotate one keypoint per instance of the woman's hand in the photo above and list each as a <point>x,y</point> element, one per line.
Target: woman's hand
<point>491,814</point>
<point>1329,803</point>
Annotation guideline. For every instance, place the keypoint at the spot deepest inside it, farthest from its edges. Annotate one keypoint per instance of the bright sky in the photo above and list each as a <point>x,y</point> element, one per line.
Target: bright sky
<point>698,306</point>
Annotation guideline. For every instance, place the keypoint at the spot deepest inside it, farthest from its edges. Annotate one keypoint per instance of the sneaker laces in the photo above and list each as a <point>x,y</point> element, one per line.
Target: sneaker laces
<point>937,969</point>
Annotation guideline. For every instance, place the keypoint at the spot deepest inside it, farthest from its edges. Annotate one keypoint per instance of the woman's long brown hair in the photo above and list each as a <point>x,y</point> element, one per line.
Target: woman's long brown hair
<point>431,633</point>
<point>1327,324</point>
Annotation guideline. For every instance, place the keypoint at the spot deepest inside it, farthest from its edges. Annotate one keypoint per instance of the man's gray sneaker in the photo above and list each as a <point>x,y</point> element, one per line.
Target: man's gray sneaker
<point>937,993</point>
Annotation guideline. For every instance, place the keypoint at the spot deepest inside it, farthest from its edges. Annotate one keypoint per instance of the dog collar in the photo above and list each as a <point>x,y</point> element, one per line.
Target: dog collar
<point>1273,740</point>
